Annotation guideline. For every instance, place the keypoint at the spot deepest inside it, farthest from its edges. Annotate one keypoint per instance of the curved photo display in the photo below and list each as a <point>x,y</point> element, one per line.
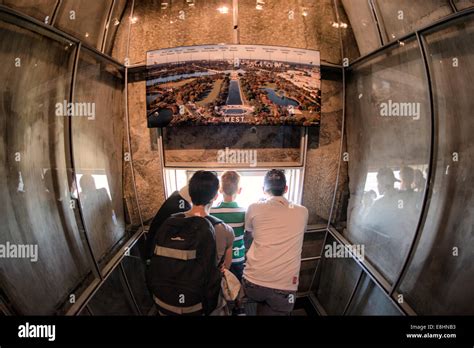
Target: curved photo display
<point>219,84</point>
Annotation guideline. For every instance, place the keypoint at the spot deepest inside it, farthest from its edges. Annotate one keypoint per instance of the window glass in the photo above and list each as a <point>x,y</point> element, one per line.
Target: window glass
<point>370,300</point>
<point>363,23</point>
<point>35,180</point>
<point>439,277</point>
<point>336,278</point>
<point>40,9</point>
<point>402,17</point>
<point>388,147</point>
<point>97,136</point>
<point>84,19</point>
<point>113,297</point>
<point>463,4</point>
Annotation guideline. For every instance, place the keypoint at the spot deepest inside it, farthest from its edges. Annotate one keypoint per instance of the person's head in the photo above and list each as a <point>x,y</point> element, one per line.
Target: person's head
<point>230,184</point>
<point>419,180</point>
<point>385,180</point>
<point>274,183</point>
<point>87,183</point>
<point>203,188</point>
<point>407,175</point>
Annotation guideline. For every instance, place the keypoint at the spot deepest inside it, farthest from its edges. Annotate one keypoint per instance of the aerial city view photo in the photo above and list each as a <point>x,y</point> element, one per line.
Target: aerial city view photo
<point>216,84</point>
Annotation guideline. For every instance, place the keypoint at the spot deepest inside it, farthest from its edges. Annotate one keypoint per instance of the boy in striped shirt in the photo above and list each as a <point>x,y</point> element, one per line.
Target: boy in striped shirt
<point>234,216</point>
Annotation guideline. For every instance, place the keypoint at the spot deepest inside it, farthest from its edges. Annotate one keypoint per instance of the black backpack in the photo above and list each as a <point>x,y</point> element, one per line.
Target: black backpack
<point>183,275</point>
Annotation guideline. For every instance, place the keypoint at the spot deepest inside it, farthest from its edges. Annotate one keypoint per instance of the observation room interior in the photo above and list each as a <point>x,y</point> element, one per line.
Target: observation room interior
<point>366,105</point>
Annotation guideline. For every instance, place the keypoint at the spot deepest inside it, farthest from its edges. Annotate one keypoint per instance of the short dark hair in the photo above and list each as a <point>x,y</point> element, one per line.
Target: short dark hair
<point>275,182</point>
<point>203,187</point>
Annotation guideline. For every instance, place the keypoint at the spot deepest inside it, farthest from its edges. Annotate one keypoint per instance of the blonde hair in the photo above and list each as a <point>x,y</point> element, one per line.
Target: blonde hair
<point>230,181</point>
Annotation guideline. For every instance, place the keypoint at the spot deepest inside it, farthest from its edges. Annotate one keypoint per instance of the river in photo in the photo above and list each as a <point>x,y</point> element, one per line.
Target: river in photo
<point>234,111</point>
<point>234,97</point>
<point>153,82</point>
<point>279,100</point>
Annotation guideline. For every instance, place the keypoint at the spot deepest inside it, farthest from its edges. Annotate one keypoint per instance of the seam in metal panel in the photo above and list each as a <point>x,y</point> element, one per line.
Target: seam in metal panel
<point>378,22</point>
<point>107,26</point>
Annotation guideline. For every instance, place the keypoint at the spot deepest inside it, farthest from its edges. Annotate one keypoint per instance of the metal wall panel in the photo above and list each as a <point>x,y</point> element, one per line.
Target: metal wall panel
<point>36,206</point>
<point>386,146</point>
<point>440,275</point>
<point>402,17</point>
<point>42,10</point>
<point>84,19</point>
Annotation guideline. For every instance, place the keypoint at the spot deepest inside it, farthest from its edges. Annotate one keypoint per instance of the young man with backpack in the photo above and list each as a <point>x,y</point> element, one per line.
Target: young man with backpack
<point>189,251</point>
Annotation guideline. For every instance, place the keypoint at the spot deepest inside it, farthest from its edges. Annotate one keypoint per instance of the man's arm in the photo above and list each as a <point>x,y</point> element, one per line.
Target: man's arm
<point>228,258</point>
<point>248,233</point>
<point>248,239</point>
<point>230,236</point>
<point>248,220</point>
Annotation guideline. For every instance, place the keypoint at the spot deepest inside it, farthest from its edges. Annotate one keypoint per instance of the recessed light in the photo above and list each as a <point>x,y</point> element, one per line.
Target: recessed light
<point>223,9</point>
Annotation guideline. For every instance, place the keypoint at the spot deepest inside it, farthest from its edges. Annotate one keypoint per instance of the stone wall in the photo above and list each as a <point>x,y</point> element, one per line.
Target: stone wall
<point>322,161</point>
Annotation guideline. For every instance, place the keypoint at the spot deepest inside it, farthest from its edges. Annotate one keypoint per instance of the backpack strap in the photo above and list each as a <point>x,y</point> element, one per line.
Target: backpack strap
<point>213,220</point>
<point>179,215</point>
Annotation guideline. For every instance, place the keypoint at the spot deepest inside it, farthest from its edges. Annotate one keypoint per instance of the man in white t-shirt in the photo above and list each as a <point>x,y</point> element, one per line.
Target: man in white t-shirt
<point>274,259</point>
